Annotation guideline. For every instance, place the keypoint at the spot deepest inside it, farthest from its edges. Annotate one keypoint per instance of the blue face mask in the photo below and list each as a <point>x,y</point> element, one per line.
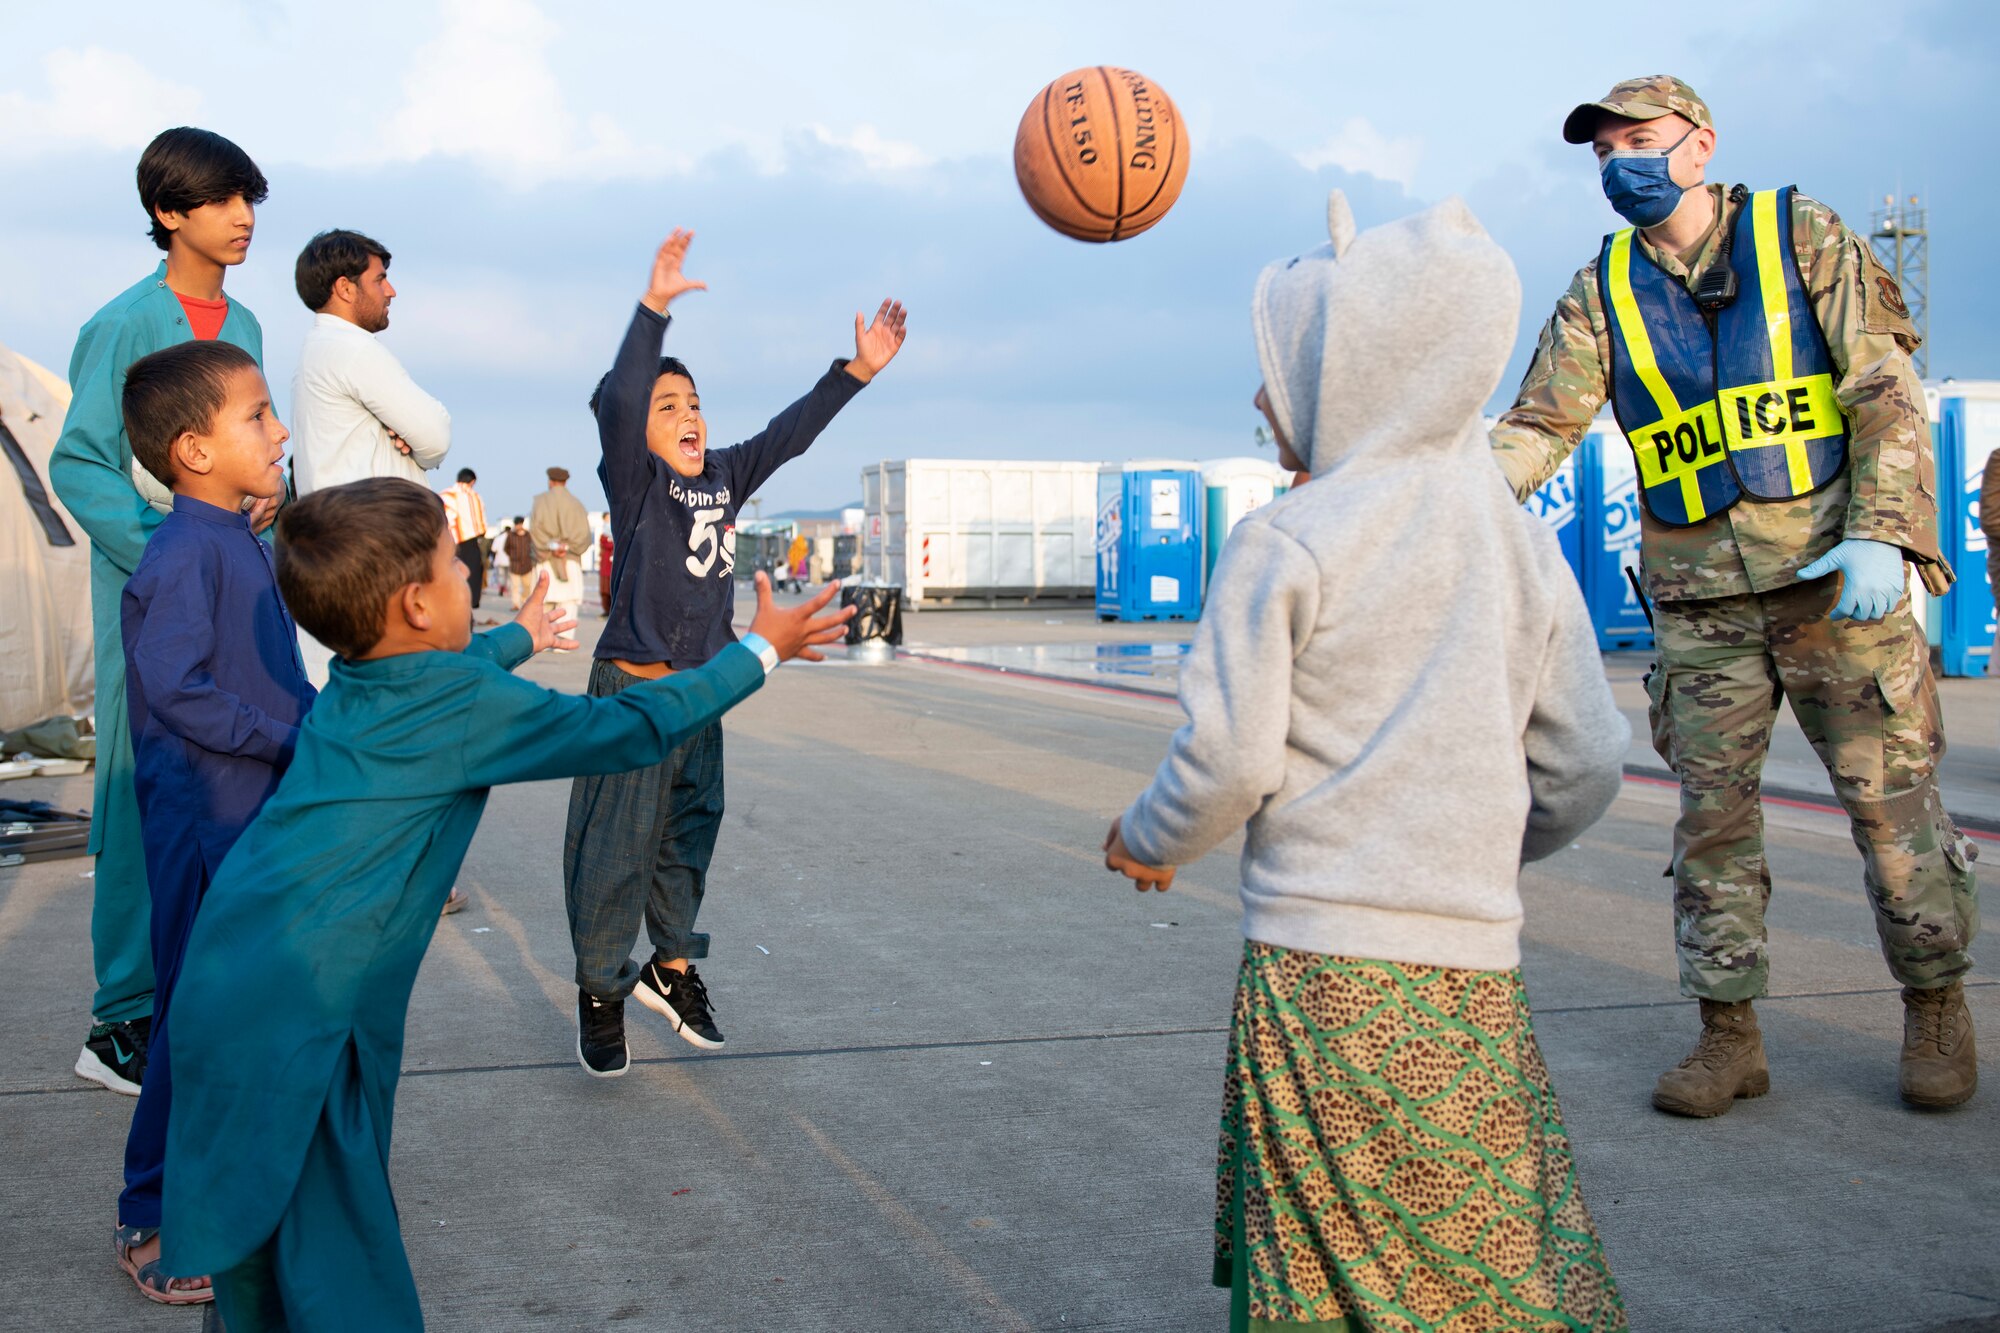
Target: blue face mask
<point>1637,183</point>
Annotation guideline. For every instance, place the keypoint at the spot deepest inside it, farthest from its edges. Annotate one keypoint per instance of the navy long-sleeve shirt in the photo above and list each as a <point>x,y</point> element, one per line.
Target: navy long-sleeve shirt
<point>673,581</point>
<point>214,686</point>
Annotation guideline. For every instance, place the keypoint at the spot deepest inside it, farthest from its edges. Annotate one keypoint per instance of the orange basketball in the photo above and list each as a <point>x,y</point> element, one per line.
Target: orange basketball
<point>1101,154</point>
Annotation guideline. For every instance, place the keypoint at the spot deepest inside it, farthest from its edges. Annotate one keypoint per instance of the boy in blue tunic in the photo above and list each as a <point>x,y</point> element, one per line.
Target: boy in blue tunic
<point>200,193</point>
<point>215,694</point>
<point>289,1013</point>
<point>638,844</point>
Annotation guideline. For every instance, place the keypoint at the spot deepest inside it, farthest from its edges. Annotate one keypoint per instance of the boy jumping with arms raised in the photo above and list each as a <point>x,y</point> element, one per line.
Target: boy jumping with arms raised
<point>639,843</point>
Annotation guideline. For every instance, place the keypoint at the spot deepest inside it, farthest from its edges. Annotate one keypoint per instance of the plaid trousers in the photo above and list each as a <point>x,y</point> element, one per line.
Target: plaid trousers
<point>638,845</point>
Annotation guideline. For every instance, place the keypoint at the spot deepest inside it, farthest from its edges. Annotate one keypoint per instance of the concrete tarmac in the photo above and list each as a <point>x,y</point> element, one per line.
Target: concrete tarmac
<point>972,1079</point>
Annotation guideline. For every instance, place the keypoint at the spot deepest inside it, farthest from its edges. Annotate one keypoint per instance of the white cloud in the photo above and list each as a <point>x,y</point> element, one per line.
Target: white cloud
<point>876,152</point>
<point>99,98</point>
<point>483,89</point>
<point>1358,146</point>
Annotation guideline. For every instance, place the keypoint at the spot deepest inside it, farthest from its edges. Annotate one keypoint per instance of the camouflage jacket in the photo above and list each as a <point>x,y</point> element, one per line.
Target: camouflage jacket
<point>1890,491</point>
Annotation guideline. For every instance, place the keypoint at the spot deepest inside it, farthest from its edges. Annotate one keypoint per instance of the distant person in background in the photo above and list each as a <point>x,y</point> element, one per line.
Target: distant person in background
<point>604,547</point>
<point>466,513</point>
<point>519,549</point>
<point>560,527</point>
<point>356,413</point>
<point>1989,523</point>
<point>798,561</point>
<point>200,193</point>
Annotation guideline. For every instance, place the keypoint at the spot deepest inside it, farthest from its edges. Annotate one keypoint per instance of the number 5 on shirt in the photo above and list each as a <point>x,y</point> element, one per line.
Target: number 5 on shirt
<point>705,538</point>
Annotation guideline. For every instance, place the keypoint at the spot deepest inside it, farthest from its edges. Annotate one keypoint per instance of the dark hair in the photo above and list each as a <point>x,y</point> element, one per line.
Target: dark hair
<point>329,257</point>
<point>184,168</point>
<point>345,551</point>
<point>519,519</point>
<point>173,392</point>
<point>467,474</point>
<point>669,365</point>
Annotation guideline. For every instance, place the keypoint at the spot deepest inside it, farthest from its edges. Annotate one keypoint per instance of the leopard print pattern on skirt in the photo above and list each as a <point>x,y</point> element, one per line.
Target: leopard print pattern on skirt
<point>1392,1153</point>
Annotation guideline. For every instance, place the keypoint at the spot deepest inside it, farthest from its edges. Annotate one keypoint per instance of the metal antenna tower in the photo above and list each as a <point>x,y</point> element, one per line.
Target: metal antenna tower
<point>1901,241</point>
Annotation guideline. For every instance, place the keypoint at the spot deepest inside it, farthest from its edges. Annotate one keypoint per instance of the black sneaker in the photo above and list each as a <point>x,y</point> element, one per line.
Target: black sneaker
<point>681,999</point>
<point>600,1036</point>
<point>115,1055</point>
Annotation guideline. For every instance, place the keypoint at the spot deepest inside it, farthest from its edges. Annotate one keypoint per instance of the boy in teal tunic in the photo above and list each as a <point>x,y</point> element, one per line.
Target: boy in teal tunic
<point>200,192</point>
<point>288,1017</point>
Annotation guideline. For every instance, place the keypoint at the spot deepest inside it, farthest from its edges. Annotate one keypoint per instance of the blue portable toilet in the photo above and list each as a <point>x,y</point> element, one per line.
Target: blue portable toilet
<point>1608,482</point>
<point>1965,429</point>
<point>1149,542</point>
<point>1592,502</point>
<point>1555,503</point>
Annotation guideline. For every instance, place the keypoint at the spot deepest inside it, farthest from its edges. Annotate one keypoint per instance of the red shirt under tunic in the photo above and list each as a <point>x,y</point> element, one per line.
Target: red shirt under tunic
<point>205,317</point>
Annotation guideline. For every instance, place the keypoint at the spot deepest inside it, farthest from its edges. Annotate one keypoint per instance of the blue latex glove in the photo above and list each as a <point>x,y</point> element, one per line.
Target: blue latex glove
<point>1871,578</point>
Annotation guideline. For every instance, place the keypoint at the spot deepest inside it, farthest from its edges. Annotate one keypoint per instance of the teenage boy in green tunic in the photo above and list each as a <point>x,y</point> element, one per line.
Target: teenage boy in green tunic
<point>200,193</point>
<point>288,1017</point>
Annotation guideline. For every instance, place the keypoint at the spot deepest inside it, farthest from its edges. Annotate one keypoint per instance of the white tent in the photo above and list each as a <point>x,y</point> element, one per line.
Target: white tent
<point>46,666</point>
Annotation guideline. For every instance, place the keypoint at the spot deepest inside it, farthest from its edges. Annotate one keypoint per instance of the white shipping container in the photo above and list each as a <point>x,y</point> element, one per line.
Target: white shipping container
<point>946,529</point>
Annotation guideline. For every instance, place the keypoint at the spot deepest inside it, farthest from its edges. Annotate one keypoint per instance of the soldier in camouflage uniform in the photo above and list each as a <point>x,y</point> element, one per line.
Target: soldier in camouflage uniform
<point>1745,610</point>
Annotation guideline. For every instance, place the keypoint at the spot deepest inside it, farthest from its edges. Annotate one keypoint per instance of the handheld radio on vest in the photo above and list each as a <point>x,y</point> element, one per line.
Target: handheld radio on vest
<point>1717,288</point>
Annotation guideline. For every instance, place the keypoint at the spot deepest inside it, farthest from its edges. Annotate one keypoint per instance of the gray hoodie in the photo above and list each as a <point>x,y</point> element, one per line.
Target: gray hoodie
<point>1395,682</point>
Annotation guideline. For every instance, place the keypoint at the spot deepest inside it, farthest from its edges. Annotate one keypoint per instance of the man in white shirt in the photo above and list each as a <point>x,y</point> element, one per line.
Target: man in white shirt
<point>356,412</point>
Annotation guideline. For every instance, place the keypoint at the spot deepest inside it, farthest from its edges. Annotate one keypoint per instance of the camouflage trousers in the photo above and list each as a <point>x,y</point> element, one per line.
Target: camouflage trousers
<point>1864,695</point>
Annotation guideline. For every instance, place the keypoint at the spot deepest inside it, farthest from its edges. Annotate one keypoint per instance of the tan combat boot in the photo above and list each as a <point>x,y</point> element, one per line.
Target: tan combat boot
<point>1726,1063</point>
<point>1939,1067</point>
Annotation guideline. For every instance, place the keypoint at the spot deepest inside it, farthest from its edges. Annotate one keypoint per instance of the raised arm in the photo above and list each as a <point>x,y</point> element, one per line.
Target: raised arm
<point>90,466</point>
<point>1237,691</point>
<point>171,655</point>
<point>1560,395</point>
<point>627,393</point>
<point>792,431</point>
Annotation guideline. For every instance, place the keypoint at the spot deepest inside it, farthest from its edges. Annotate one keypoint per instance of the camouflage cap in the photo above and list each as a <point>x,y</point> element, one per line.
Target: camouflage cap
<point>1649,98</point>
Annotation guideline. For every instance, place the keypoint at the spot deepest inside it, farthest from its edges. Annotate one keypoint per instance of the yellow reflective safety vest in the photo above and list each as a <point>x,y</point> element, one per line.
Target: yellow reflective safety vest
<point>1741,406</point>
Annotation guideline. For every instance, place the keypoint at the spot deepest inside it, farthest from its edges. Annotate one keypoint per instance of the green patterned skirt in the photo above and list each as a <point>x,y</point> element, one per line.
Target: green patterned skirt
<point>1393,1157</point>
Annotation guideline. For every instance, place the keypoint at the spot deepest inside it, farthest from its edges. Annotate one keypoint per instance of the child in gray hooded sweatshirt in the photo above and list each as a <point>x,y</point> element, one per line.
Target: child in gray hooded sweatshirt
<point>1396,686</point>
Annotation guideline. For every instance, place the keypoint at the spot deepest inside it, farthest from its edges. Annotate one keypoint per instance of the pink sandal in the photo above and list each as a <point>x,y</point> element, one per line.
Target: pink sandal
<point>153,1281</point>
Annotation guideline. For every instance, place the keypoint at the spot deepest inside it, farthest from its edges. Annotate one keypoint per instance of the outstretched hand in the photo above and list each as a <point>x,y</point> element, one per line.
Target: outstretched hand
<point>668,281</point>
<point>798,632</point>
<point>1118,857</point>
<point>548,629</point>
<point>876,344</point>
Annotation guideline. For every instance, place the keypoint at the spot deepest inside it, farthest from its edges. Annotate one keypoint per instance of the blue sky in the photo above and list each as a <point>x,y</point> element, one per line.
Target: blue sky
<point>522,159</point>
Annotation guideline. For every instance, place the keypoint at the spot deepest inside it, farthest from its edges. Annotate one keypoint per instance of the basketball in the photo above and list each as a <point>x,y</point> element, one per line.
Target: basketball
<point>1101,154</point>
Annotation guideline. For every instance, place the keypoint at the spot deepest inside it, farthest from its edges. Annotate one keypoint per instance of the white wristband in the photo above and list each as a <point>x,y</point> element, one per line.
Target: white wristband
<point>761,646</point>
